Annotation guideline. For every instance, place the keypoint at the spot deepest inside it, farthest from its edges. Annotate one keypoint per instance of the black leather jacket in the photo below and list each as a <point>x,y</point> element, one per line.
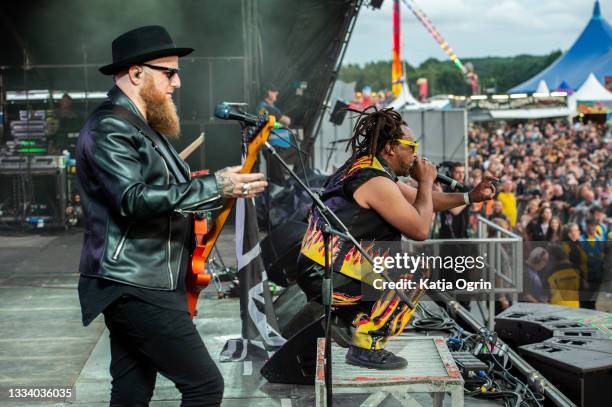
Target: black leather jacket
<point>137,212</point>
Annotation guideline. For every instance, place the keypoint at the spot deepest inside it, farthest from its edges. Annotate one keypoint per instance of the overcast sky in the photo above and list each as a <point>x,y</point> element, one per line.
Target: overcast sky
<point>473,28</point>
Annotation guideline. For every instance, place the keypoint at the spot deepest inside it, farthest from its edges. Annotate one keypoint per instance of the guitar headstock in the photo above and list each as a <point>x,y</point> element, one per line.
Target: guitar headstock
<point>255,137</point>
<point>265,123</point>
<point>255,130</point>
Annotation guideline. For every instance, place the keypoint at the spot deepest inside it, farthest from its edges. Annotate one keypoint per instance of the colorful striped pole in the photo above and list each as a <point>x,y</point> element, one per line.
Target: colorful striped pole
<point>420,15</point>
<point>397,77</point>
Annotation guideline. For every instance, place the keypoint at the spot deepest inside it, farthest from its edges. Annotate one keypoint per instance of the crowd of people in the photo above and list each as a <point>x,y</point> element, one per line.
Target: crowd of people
<point>366,97</point>
<point>555,190</point>
<point>552,174</point>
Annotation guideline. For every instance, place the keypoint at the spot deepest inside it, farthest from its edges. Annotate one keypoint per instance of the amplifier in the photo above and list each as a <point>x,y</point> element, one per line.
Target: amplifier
<point>28,128</point>
<point>48,162</point>
<point>13,163</point>
<point>32,125</point>
<point>41,162</point>
<point>33,196</point>
<point>579,367</point>
<point>525,323</point>
<point>34,114</point>
<point>19,135</point>
<point>571,347</point>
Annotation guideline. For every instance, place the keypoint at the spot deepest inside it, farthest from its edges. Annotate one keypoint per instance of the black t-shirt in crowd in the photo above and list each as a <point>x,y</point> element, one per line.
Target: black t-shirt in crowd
<point>454,226</point>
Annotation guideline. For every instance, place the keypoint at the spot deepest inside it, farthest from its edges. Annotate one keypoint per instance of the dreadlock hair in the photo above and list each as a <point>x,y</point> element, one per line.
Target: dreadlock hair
<point>373,130</point>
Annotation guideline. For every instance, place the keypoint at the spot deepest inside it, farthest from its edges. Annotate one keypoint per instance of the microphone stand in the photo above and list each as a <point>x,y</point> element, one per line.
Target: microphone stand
<point>333,226</point>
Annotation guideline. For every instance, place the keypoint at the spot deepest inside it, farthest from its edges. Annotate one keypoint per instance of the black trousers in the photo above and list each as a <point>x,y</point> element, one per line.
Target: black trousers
<point>146,339</point>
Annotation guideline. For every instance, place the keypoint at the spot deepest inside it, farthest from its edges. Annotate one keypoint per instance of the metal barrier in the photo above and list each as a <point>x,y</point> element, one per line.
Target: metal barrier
<point>503,253</point>
<point>507,262</point>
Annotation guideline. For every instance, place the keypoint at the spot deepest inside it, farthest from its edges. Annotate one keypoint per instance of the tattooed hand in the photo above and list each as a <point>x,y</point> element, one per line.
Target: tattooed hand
<point>232,184</point>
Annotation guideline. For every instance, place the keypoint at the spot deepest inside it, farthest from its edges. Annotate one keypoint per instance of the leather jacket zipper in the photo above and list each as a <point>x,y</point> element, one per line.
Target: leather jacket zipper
<point>121,243</point>
<point>188,210</point>
<point>169,232</point>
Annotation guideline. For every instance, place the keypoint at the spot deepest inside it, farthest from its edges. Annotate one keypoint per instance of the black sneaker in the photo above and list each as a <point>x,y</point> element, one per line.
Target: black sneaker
<point>374,359</point>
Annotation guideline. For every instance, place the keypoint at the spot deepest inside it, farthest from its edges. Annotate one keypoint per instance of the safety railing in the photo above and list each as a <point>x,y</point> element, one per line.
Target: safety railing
<point>506,264</point>
<point>502,252</point>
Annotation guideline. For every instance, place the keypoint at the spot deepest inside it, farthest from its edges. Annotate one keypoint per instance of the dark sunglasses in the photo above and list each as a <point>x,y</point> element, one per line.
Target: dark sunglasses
<point>169,72</point>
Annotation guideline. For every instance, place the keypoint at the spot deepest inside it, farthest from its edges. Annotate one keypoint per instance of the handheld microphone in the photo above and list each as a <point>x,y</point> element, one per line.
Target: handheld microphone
<point>226,112</point>
<point>448,181</point>
<point>454,185</point>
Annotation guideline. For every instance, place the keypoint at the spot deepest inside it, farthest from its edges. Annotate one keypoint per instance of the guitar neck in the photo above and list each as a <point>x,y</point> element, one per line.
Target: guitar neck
<point>249,162</point>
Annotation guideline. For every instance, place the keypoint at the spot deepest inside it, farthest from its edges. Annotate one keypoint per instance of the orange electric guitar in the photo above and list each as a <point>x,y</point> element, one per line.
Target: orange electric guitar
<point>207,234</point>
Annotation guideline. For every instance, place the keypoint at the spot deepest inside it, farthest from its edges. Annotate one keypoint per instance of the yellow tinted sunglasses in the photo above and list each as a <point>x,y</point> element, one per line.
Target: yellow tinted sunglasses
<point>413,144</point>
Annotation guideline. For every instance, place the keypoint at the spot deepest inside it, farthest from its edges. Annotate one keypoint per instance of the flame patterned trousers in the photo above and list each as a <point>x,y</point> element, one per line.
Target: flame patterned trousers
<point>374,321</point>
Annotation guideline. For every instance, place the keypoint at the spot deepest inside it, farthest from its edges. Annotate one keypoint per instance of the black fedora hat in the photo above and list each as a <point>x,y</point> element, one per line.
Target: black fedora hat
<point>141,45</point>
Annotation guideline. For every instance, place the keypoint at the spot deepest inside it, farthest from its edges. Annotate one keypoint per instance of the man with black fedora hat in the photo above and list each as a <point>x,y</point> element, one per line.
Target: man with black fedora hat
<point>138,202</point>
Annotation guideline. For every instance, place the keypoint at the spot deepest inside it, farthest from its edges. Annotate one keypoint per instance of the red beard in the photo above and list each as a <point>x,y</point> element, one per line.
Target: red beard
<point>160,110</point>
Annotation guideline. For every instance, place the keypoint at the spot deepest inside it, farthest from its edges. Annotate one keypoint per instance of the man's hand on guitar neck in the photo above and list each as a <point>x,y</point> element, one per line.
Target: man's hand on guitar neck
<point>232,184</point>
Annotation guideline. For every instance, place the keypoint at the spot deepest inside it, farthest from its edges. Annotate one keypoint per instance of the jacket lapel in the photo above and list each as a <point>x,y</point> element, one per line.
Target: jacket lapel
<point>164,148</point>
<point>127,110</point>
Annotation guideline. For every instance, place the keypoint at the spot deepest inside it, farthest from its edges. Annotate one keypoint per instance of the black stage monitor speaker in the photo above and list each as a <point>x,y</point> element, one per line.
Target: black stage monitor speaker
<point>338,113</point>
<point>280,251</point>
<point>293,312</point>
<point>582,368</point>
<point>571,347</point>
<point>295,362</point>
<point>526,323</point>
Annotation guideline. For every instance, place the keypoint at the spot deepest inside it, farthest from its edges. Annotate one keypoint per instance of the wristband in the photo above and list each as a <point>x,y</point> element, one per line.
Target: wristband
<point>466,198</point>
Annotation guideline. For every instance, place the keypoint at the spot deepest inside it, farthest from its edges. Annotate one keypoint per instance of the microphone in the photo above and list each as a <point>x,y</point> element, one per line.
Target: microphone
<point>226,112</point>
<point>448,181</point>
<point>454,185</point>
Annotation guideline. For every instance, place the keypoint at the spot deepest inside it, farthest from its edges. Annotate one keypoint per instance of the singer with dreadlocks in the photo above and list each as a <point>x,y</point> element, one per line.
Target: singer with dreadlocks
<point>367,196</point>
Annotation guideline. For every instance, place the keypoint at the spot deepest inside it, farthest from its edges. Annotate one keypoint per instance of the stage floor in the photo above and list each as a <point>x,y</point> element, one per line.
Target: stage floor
<point>44,344</point>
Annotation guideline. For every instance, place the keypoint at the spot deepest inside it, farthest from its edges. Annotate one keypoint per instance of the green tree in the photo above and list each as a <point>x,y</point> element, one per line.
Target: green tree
<point>501,73</point>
